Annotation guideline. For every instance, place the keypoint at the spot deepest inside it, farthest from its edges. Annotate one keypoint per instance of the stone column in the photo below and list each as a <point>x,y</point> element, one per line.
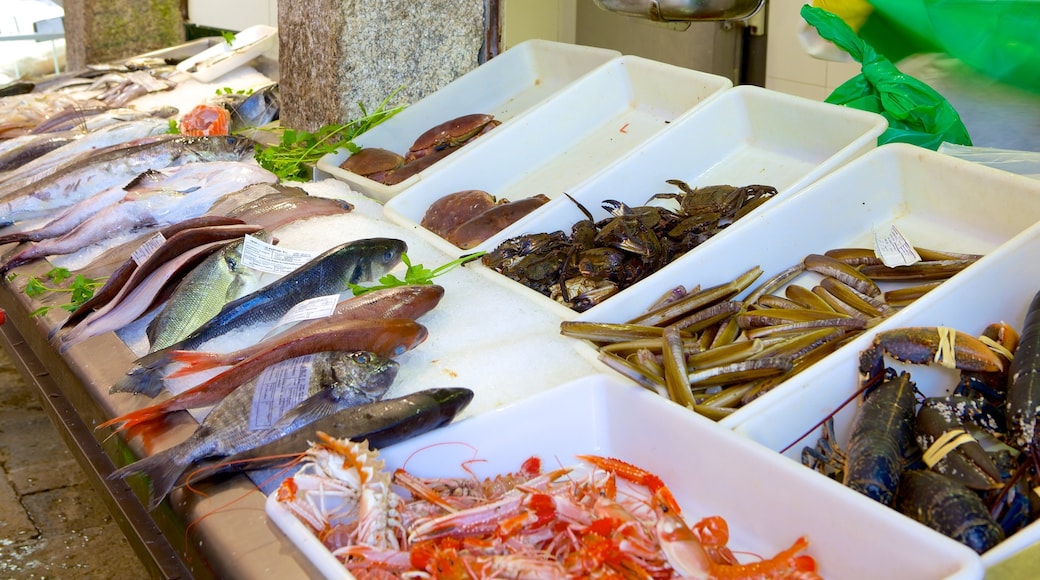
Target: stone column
<point>334,54</point>
<point>98,31</point>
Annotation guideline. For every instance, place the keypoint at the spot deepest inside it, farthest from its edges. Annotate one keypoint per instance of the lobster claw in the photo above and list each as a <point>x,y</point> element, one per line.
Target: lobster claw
<point>949,448</point>
<point>949,347</point>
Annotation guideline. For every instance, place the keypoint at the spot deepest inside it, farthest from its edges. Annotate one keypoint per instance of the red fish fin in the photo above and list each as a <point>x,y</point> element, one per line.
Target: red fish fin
<point>193,362</point>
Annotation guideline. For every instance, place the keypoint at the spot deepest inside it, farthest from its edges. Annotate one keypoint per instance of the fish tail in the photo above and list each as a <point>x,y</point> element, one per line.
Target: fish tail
<point>193,362</point>
<point>145,377</point>
<point>22,257</point>
<point>14,237</point>
<point>139,417</point>
<point>163,470</point>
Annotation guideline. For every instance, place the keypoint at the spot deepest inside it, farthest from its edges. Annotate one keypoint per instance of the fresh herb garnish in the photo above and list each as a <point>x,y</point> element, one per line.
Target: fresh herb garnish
<point>228,36</point>
<point>414,274</point>
<point>80,290</point>
<point>172,127</point>
<point>297,149</point>
<point>231,91</point>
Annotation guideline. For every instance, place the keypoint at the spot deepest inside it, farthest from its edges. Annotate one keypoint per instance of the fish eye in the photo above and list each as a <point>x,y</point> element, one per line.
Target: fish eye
<point>389,256</point>
<point>361,358</point>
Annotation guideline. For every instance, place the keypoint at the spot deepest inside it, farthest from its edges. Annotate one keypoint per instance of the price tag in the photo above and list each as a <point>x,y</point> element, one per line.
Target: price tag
<point>260,255</point>
<point>148,248</point>
<point>310,309</point>
<point>279,387</point>
<point>894,249</point>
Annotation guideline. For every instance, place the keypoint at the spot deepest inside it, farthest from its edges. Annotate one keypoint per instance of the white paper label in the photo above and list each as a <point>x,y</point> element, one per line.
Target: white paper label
<point>894,249</point>
<point>260,255</point>
<point>145,250</point>
<point>310,309</point>
<point>279,387</point>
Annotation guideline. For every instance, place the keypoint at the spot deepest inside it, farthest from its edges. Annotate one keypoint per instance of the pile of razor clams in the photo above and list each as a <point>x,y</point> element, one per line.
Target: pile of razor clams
<point>166,223</point>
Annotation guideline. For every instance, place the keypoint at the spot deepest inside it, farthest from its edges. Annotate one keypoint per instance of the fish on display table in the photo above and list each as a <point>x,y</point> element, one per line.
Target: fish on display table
<point>382,423</point>
<point>116,166</point>
<point>336,380</point>
<point>328,273</point>
<point>203,184</point>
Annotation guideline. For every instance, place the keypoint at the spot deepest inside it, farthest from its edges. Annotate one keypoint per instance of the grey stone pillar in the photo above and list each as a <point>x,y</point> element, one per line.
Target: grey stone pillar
<point>99,31</point>
<point>334,54</point>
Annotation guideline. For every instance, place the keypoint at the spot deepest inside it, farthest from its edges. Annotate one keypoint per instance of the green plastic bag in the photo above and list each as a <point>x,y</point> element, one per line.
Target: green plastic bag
<point>916,113</point>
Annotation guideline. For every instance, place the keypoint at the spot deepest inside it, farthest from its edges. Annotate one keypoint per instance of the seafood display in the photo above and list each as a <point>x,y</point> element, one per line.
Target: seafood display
<point>963,464</point>
<point>602,516</point>
<point>598,259</point>
<point>712,351</point>
<point>437,142</point>
<point>467,218</point>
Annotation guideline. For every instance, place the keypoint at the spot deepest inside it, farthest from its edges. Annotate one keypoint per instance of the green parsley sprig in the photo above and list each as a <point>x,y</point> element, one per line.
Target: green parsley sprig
<point>228,36</point>
<point>297,149</point>
<point>80,289</point>
<point>414,274</point>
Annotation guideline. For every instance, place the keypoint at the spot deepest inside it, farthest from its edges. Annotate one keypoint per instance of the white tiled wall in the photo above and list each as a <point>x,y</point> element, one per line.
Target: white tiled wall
<point>789,68</point>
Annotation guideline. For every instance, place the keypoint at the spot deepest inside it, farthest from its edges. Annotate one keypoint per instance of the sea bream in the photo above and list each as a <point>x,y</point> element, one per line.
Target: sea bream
<point>328,273</point>
<point>335,380</point>
<point>116,166</point>
<point>186,196</point>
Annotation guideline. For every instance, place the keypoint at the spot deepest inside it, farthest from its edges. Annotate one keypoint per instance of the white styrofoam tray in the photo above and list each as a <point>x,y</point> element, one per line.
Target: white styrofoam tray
<point>999,288</point>
<point>506,86</point>
<point>246,45</point>
<point>584,128</point>
<point>745,136</point>
<point>721,474</point>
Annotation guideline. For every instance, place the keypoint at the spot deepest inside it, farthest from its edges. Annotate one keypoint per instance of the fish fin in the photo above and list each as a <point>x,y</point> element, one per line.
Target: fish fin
<point>134,419</point>
<point>163,469</point>
<point>314,407</point>
<point>193,362</point>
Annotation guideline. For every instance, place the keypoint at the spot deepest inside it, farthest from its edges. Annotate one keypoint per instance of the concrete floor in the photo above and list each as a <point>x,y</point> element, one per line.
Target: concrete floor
<point>52,524</point>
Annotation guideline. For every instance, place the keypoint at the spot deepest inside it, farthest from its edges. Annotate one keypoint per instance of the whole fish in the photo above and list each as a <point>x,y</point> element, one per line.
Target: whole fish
<point>31,147</point>
<point>88,123</point>
<point>187,179</point>
<point>175,239</point>
<point>253,110</point>
<point>281,205</point>
<point>116,166</point>
<point>389,337</point>
<point>117,314</point>
<point>406,302</point>
<point>150,208</point>
<point>337,380</point>
<point>382,423</point>
<point>201,294</point>
<point>328,273</point>
<point>94,142</point>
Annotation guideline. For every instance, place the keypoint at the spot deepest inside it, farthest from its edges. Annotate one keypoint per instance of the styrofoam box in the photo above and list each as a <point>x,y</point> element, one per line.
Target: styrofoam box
<point>247,45</point>
<point>506,86</point>
<point>586,127</point>
<point>767,501</point>
<point>998,288</point>
<point>936,201</point>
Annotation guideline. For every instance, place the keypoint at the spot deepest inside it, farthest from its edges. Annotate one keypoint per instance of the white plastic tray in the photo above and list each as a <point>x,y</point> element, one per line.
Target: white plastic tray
<point>583,129</point>
<point>505,86</point>
<point>247,45</point>
<point>719,475</point>
<point>999,288</point>
<point>746,135</point>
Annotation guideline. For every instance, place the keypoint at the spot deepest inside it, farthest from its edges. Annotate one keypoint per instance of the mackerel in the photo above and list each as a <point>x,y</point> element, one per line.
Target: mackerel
<point>116,166</point>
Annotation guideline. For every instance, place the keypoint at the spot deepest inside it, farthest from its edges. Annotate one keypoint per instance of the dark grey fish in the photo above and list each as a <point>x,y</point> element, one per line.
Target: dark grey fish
<point>338,380</point>
<point>254,110</point>
<point>382,423</point>
<point>328,273</point>
<point>35,147</point>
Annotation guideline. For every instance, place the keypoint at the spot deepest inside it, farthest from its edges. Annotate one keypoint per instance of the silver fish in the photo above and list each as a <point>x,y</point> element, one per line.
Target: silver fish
<point>253,110</point>
<point>337,380</point>
<point>93,142</point>
<point>116,166</point>
<point>328,273</point>
<point>151,208</point>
